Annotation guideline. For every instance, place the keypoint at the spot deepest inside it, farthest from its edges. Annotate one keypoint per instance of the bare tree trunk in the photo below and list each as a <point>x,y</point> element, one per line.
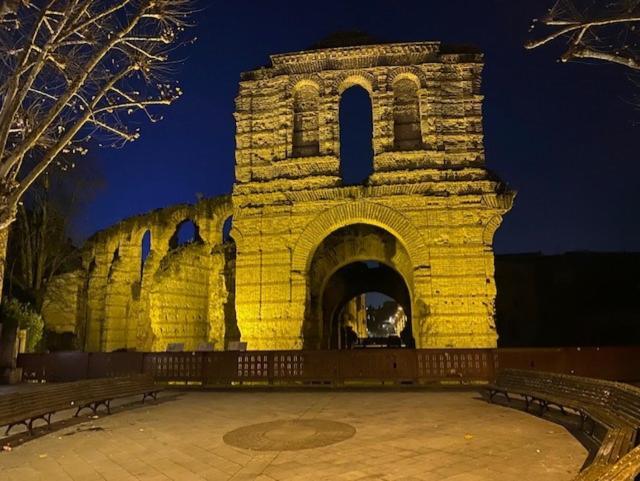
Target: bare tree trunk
<point>8,336</point>
<point>4,240</point>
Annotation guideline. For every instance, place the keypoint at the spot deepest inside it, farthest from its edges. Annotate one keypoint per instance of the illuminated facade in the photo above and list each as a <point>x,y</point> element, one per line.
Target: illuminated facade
<point>419,229</point>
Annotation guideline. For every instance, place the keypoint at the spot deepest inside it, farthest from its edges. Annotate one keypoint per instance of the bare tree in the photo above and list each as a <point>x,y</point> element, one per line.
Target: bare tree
<point>77,73</point>
<point>594,29</point>
<point>40,246</point>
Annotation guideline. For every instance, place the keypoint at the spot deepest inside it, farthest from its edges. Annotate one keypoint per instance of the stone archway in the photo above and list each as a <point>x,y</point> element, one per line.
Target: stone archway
<point>364,212</point>
<point>349,246</point>
<point>356,279</point>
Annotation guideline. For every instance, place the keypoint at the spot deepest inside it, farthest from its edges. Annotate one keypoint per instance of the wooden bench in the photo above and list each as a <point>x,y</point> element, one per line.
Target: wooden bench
<point>41,402</point>
<point>609,411</point>
<point>96,394</point>
<point>624,470</point>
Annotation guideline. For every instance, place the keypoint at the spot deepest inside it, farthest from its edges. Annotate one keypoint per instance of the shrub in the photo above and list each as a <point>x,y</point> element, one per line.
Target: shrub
<point>17,314</point>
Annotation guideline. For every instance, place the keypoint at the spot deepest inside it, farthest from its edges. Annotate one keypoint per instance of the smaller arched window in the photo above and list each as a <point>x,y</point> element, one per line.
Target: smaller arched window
<point>356,134</point>
<point>226,229</point>
<point>406,115</point>
<point>305,121</point>
<point>114,260</point>
<point>145,249</point>
<point>187,232</point>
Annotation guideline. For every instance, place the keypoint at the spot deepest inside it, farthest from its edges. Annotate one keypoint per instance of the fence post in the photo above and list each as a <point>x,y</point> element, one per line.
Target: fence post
<point>270,367</point>
<point>494,364</point>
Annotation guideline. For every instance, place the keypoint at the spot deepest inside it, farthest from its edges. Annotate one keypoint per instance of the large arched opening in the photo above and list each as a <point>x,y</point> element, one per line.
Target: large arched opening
<point>352,267</point>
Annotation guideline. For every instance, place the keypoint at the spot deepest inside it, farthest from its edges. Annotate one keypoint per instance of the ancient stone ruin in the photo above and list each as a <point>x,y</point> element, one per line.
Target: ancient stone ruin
<point>303,244</point>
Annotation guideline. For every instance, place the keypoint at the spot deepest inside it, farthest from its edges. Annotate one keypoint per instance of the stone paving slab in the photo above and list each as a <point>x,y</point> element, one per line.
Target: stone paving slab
<point>399,436</point>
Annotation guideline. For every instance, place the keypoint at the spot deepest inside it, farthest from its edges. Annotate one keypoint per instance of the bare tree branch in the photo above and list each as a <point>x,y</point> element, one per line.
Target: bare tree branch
<point>71,72</point>
<point>593,29</point>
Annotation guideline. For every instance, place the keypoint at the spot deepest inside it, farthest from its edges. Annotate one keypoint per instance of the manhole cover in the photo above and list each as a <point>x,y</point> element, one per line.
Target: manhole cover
<point>289,435</point>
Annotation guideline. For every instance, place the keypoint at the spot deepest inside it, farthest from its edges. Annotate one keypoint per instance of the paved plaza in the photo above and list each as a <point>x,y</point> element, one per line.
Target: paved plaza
<point>319,435</point>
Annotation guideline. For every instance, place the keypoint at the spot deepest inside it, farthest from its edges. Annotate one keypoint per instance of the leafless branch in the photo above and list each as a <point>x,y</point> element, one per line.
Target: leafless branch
<point>593,29</point>
<point>78,73</point>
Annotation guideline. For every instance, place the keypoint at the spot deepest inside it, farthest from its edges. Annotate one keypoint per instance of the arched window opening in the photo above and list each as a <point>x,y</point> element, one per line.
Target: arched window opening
<point>356,136</point>
<point>305,121</point>
<point>366,304</point>
<point>187,232</point>
<point>406,115</point>
<point>226,229</point>
<point>114,259</point>
<point>145,249</point>
<point>232,332</point>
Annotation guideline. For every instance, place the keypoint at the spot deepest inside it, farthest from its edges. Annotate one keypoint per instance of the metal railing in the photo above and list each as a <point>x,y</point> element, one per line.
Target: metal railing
<point>410,366</point>
<point>269,367</point>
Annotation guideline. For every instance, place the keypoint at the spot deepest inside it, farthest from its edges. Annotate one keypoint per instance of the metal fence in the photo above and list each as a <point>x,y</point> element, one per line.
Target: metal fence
<point>269,367</point>
<point>400,366</point>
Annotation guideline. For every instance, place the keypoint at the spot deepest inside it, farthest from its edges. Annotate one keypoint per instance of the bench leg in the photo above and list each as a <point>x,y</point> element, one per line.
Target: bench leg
<point>93,406</point>
<point>583,424</point>
<point>106,403</point>
<point>80,408</point>
<point>493,392</point>
<point>152,394</point>
<point>10,426</point>
<point>44,417</point>
<point>583,419</point>
<point>544,406</point>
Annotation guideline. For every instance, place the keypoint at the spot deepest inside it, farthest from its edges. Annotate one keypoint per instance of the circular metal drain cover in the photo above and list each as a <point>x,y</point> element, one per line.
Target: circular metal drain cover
<point>289,435</point>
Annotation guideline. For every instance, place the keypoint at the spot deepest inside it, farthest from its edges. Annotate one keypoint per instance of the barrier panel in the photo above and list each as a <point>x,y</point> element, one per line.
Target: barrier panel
<point>412,366</point>
<point>465,364</point>
<point>61,366</point>
<point>268,367</point>
<point>114,364</point>
<point>612,363</point>
<point>175,366</point>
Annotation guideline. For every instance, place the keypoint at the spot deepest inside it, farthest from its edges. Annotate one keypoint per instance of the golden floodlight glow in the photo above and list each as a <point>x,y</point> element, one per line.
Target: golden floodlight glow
<point>430,205</point>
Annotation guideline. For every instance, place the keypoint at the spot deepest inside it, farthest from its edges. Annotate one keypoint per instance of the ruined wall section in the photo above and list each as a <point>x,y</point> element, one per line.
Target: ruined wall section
<point>61,302</point>
<point>432,192</point>
<point>179,298</point>
<point>124,303</point>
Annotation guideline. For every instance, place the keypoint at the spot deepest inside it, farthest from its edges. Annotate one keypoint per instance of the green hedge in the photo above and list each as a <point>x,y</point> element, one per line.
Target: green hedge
<point>17,314</point>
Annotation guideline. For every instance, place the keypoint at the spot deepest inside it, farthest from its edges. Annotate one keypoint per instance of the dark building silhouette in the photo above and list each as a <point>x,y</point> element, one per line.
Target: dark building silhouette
<point>573,299</point>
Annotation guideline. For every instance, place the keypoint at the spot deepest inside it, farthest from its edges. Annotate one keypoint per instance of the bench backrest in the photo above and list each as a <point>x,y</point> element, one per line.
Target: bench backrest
<point>53,397</point>
<point>618,397</point>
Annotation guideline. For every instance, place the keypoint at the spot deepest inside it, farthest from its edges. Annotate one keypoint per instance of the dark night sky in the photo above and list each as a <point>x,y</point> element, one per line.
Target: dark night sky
<point>565,136</point>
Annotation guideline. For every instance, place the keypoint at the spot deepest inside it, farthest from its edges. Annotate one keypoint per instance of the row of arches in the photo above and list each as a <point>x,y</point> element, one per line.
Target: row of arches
<point>407,133</point>
<point>350,268</point>
<point>186,232</point>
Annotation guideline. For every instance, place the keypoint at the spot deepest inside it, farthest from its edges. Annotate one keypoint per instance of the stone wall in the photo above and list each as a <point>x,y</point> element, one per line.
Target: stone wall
<point>429,187</point>
<point>177,295</point>
<point>431,197</point>
<point>61,302</point>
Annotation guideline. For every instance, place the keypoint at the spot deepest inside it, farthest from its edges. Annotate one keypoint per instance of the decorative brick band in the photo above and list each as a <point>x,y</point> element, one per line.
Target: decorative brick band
<point>361,212</point>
